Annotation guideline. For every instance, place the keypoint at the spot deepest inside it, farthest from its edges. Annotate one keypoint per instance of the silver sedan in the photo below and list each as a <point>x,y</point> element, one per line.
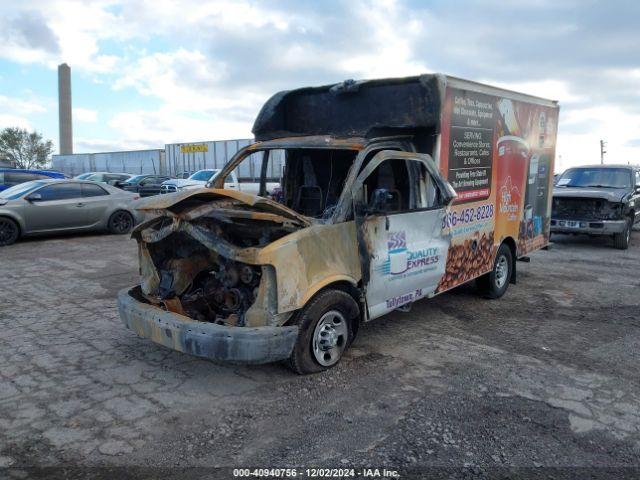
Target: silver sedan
<point>54,206</point>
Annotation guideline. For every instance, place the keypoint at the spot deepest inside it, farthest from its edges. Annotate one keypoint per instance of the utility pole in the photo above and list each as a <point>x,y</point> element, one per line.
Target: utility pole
<point>602,151</point>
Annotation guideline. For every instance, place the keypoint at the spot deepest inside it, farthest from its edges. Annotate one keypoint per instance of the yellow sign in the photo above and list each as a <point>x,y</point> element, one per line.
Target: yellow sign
<point>194,147</point>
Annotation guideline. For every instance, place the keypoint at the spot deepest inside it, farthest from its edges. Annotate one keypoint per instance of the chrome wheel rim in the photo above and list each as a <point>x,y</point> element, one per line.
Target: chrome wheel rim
<point>330,338</point>
<point>502,269</point>
<point>121,222</point>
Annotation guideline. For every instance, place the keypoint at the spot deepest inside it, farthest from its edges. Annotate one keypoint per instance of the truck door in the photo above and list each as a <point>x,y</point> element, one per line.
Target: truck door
<point>399,203</point>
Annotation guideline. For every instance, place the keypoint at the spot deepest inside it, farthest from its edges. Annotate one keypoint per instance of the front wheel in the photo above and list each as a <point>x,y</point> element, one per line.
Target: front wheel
<point>9,231</point>
<point>495,283</point>
<point>120,222</point>
<point>326,330</point>
<point>621,240</point>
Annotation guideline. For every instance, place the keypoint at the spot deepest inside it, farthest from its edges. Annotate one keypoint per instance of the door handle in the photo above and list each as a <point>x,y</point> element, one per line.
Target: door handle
<point>80,204</point>
<point>386,223</point>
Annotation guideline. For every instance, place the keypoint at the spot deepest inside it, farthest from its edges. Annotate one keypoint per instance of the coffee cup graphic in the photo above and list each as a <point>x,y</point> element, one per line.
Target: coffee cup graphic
<point>511,175</point>
<point>513,161</point>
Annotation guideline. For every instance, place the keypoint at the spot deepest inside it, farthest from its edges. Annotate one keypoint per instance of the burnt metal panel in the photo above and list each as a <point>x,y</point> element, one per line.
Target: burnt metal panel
<point>352,108</point>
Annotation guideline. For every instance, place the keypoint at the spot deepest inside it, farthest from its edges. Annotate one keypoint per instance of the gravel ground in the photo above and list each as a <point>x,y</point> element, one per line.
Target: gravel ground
<point>545,377</point>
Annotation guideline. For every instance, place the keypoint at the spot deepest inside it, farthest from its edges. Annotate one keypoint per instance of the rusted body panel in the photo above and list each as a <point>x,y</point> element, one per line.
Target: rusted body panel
<point>304,261</point>
<point>311,259</point>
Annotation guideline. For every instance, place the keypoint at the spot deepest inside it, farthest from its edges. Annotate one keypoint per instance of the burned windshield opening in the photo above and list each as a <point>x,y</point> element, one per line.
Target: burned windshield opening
<point>313,180</point>
<point>306,180</point>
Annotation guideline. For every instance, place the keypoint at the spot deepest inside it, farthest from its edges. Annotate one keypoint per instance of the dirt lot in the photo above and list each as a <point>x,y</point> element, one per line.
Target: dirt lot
<point>546,376</point>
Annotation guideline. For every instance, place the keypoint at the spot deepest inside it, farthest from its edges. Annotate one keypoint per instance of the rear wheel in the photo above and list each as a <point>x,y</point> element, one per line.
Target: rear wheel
<point>9,231</point>
<point>120,222</point>
<point>326,330</point>
<point>621,240</point>
<point>495,283</point>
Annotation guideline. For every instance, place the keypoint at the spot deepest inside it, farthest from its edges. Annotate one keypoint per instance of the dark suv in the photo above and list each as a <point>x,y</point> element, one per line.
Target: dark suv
<point>145,185</point>
<point>598,200</point>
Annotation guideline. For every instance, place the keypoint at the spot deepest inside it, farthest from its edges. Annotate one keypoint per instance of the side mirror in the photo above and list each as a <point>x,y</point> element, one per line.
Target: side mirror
<point>637,188</point>
<point>35,197</point>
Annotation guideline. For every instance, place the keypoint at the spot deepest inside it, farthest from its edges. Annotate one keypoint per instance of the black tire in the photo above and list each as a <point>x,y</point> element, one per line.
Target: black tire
<point>120,222</point>
<point>322,308</point>
<point>9,231</point>
<point>621,240</point>
<point>495,283</point>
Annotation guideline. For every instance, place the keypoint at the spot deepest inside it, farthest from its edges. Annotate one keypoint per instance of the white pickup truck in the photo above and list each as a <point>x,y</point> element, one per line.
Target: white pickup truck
<point>202,177</point>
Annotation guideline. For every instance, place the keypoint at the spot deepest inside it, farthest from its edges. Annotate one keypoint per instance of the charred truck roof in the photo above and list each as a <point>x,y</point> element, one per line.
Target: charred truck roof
<point>368,108</point>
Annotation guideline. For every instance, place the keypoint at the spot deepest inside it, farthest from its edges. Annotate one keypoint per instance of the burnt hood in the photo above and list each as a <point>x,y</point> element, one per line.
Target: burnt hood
<point>610,194</point>
<point>189,204</point>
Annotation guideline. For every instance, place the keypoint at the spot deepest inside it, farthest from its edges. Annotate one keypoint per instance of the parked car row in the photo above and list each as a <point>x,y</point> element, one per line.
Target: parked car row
<point>593,200</point>
<point>65,205</point>
<point>145,185</point>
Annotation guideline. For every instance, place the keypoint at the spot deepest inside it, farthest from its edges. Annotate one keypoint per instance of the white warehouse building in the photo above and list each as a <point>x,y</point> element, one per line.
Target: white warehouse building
<point>174,160</point>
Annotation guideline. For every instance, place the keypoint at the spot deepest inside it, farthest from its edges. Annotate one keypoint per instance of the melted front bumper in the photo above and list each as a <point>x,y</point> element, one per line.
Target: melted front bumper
<point>252,345</point>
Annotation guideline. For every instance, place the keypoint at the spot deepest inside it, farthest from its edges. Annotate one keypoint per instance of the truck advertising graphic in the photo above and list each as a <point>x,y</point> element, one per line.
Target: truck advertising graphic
<point>497,152</point>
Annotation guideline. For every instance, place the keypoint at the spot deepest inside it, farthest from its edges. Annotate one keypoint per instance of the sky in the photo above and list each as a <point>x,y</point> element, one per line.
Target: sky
<point>146,73</point>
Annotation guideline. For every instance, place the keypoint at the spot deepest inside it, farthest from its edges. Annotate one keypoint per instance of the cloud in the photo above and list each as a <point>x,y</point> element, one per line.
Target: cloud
<point>205,68</point>
<point>20,106</point>
<point>28,30</point>
<point>8,120</point>
<point>152,129</point>
<point>85,115</point>
<point>89,145</point>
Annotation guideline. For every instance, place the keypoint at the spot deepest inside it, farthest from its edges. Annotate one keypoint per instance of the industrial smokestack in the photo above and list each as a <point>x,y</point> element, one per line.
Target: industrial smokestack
<point>64,109</point>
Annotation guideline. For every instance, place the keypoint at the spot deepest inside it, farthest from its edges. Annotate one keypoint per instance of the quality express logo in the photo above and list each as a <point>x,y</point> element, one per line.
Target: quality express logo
<point>402,260</point>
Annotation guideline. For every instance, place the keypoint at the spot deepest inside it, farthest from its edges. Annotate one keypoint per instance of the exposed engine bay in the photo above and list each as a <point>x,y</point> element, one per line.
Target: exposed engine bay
<point>196,257</point>
<point>220,294</point>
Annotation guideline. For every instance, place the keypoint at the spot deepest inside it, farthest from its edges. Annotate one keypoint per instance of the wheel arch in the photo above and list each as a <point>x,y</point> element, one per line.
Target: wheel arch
<point>337,282</point>
<point>632,214</point>
<point>21,227</point>
<point>511,243</point>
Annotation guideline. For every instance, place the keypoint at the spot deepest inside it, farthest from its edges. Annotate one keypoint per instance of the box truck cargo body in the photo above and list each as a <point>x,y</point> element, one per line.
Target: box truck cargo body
<point>391,191</point>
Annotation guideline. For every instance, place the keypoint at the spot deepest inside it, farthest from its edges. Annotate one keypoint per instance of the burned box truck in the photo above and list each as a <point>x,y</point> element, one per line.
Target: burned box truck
<point>390,191</point>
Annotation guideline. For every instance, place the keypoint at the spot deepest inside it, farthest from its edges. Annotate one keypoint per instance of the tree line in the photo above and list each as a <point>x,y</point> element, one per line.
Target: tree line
<point>24,149</point>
